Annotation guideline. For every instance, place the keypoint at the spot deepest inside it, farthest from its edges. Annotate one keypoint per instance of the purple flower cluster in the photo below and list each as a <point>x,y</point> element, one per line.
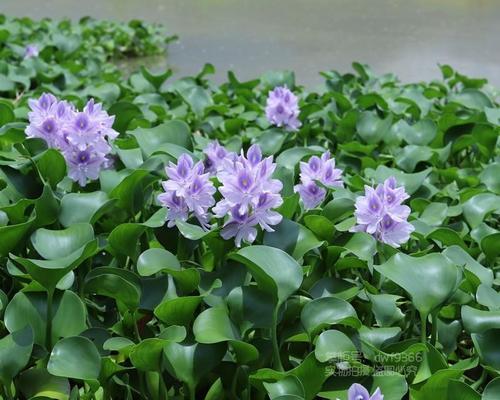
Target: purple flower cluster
<point>282,108</point>
<point>380,213</point>
<point>316,170</point>
<point>249,194</point>
<point>81,136</point>
<point>188,190</point>
<point>216,155</point>
<point>359,392</point>
<point>31,51</point>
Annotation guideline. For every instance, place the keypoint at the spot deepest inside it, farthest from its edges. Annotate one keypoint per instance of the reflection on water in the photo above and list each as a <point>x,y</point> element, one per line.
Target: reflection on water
<point>408,37</point>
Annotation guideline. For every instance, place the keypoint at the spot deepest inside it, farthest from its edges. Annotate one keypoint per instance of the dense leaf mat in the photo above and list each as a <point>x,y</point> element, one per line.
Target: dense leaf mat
<point>99,299</point>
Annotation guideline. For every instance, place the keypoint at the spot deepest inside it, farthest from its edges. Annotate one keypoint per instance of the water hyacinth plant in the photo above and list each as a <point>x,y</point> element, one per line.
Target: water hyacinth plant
<point>178,239</point>
<point>249,194</point>
<point>31,51</point>
<point>188,189</point>
<point>359,392</point>
<point>82,137</point>
<point>380,213</point>
<point>317,170</point>
<point>282,108</point>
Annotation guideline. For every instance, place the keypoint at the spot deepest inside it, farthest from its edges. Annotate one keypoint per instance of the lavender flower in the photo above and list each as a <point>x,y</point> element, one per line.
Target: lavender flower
<point>177,208</point>
<point>249,196</point>
<point>359,392</point>
<point>31,51</point>
<point>241,226</point>
<point>380,213</point>
<point>188,190</point>
<point>320,170</point>
<point>311,194</point>
<point>84,164</point>
<point>216,156</point>
<point>100,119</point>
<point>282,109</point>
<point>82,137</point>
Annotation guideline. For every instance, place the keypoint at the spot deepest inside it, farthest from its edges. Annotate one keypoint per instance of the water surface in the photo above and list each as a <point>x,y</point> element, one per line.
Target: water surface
<point>407,37</point>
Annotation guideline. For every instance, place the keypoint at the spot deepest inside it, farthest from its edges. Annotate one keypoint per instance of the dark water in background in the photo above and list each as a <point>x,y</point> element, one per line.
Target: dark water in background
<point>407,37</point>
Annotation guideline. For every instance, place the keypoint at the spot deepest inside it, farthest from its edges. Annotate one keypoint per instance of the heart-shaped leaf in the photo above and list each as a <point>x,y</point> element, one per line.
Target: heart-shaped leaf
<point>326,311</point>
<point>274,270</point>
<point>430,280</point>
<point>75,357</point>
<point>15,352</point>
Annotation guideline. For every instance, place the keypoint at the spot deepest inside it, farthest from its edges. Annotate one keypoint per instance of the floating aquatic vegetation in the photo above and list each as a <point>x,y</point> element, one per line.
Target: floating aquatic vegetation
<point>216,253</point>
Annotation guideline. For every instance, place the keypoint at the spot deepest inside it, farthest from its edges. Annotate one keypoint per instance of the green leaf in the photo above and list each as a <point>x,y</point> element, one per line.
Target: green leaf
<point>83,207</point>
<point>262,261</point>
<point>130,191</point>
<point>214,326</point>
<point>146,355</point>
<point>162,137</point>
<point>326,311</point>
<point>15,352</point>
<point>385,309</point>
<point>492,390</point>
<point>371,128</point>
<point>6,114</point>
<point>51,165</point>
<point>312,374</point>
<point>460,257</point>
<point>69,316</point>
<point>12,235</point>
<point>409,156</point>
<point>288,387</point>
<point>124,113</point>
<point>362,245</point>
<point>124,239</point>
<point>489,245</point>
<point>434,214</point>
<point>197,98</point>
<point>489,177</point>
<point>472,98</point>
<point>479,321</point>
<point>479,206</point>
<point>421,133</point>
<point>38,383</point>
<point>76,358</point>
<point>191,362</point>
<point>178,311</point>
<point>438,385</point>
<point>447,237</point>
<point>54,244</point>
<point>156,79</point>
<point>271,141</point>
<point>487,296</point>
<point>190,231</point>
<point>251,307</point>
<point>278,78</point>
<point>153,261</point>
<point>334,344</point>
<point>321,226</point>
<point>49,272</point>
<point>108,92</point>
<point>117,283</point>
<point>291,157</point>
<point>293,238</point>
<point>430,280</point>
<point>487,346</point>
